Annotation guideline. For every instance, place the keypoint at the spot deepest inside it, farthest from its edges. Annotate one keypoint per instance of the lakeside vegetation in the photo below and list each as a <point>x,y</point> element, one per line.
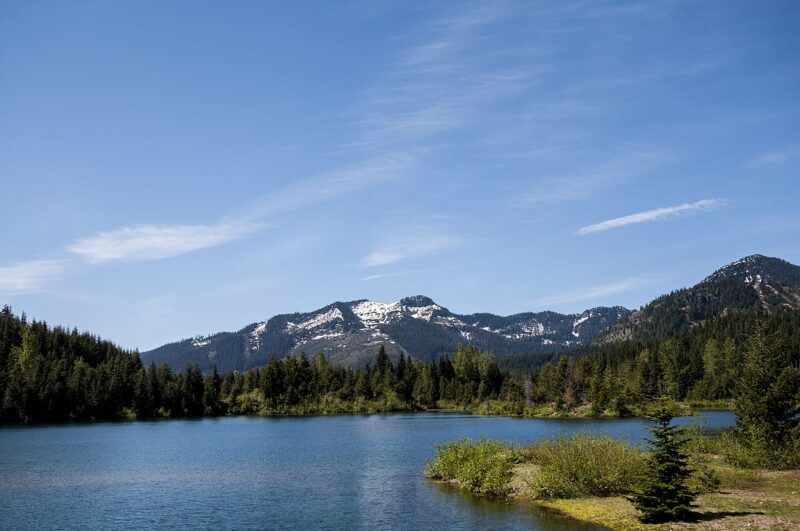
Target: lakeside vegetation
<point>609,482</point>
<point>593,479</point>
<point>55,374</point>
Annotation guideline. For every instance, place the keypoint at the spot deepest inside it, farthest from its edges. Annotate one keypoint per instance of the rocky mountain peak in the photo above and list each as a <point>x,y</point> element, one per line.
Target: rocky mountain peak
<point>757,268</point>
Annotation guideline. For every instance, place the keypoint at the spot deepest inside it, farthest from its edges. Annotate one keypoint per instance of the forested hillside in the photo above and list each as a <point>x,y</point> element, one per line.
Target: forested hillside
<point>52,374</point>
<point>703,363</point>
<point>755,282</point>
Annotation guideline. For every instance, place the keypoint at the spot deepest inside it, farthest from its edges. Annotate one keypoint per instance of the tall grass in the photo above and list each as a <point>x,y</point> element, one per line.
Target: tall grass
<point>743,453</point>
<point>562,467</point>
<point>583,465</point>
<point>483,467</point>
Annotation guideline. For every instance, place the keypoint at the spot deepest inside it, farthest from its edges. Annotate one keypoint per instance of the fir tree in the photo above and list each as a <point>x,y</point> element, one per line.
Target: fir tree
<point>665,497</point>
<point>766,408</point>
<point>382,363</point>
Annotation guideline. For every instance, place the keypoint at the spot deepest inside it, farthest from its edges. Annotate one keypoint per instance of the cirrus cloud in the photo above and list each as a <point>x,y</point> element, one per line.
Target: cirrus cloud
<point>138,243</point>
<point>414,242</point>
<point>28,276</point>
<point>653,215</point>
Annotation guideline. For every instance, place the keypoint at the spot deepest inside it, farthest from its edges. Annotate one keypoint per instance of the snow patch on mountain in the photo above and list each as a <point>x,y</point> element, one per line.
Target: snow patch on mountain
<point>327,335</point>
<point>372,314</point>
<point>318,320</point>
<point>200,341</point>
<point>533,329</point>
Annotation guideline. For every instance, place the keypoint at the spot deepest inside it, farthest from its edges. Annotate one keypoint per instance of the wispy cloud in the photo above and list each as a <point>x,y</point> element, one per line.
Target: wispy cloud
<point>775,157</point>
<point>412,243</point>
<point>653,215</point>
<point>593,292</point>
<point>326,187</point>
<point>446,78</point>
<point>595,176</point>
<point>393,274</point>
<point>151,242</point>
<point>29,276</point>
<point>143,242</point>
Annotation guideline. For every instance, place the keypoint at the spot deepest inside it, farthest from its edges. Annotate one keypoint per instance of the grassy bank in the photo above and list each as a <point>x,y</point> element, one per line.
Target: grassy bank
<point>747,499</point>
<point>501,407</point>
<point>590,478</point>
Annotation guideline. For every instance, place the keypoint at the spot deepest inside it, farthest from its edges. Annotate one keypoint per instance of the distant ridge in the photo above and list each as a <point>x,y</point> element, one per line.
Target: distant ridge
<point>350,333</point>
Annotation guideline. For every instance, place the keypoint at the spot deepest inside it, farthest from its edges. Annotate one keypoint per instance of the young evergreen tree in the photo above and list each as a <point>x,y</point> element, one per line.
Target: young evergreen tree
<point>665,497</point>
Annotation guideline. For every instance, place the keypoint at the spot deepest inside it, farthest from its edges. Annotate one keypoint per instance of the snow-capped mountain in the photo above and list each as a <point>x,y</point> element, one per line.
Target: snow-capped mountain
<point>759,269</point>
<point>350,333</point>
<point>755,282</point>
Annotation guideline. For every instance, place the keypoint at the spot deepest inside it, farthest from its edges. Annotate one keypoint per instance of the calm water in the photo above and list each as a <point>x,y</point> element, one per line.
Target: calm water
<point>264,473</point>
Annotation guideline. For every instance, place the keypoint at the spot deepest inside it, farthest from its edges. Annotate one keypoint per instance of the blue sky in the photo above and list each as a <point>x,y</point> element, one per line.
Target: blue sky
<point>171,169</point>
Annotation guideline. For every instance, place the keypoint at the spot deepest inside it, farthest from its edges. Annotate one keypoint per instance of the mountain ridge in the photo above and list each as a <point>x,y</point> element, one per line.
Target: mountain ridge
<point>755,282</point>
<point>351,332</point>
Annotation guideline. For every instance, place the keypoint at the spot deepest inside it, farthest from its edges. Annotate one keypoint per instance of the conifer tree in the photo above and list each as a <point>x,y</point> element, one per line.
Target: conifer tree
<point>362,387</point>
<point>382,363</point>
<point>665,497</point>
<point>765,406</point>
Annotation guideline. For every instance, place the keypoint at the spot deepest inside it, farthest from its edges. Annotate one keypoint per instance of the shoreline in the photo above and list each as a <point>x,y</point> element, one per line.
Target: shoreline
<point>729,497</point>
<point>682,409</point>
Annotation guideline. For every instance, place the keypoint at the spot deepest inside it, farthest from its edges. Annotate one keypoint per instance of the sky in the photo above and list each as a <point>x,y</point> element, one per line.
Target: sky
<point>171,169</point>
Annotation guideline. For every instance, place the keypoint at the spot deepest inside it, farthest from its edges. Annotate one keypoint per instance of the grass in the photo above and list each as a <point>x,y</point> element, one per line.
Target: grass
<point>677,408</point>
<point>579,466</point>
<point>714,405</point>
<point>746,454</point>
<point>587,478</point>
<point>614,513</point>
<point>483,467</point>
<point>747,499</point>
<point>562,467</point>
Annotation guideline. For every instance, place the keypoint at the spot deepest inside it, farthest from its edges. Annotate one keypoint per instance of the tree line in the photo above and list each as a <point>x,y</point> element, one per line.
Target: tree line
<point>55,374</point>
<point>706,362</point>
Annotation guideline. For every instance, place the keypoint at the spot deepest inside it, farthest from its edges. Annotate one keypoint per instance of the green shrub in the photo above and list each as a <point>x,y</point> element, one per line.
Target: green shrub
<point>675,408</point>
<point>704,479</point>
<point>742,452</point>
<point>701,446</point>
<point>483,467</point>
<point>583,465</point>
<point>498,407</point>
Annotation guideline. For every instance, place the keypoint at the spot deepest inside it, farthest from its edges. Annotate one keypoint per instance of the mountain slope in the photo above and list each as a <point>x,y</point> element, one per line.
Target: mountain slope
<point>350,333</point>
<point>754,282</point>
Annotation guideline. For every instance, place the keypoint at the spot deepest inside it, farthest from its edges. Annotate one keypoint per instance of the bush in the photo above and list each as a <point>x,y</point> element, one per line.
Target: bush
<point>482,468</point>
<point>701,445</point>
<point>742,452</point>
<point>579,466</point>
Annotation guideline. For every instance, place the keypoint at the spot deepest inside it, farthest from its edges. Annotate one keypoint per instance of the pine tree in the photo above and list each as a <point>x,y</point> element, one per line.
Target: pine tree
<point>362,384</point>
<point>665,496</point>
<point>766,407</point>
<point>211,393</point>
<point>382,363</point>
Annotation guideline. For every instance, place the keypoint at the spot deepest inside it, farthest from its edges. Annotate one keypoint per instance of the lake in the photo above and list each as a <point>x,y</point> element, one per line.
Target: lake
<point>345,472</point>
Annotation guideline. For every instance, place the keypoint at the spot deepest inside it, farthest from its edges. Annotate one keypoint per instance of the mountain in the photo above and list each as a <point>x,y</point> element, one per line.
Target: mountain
<point>350,333</point>
<point>755,282</point>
